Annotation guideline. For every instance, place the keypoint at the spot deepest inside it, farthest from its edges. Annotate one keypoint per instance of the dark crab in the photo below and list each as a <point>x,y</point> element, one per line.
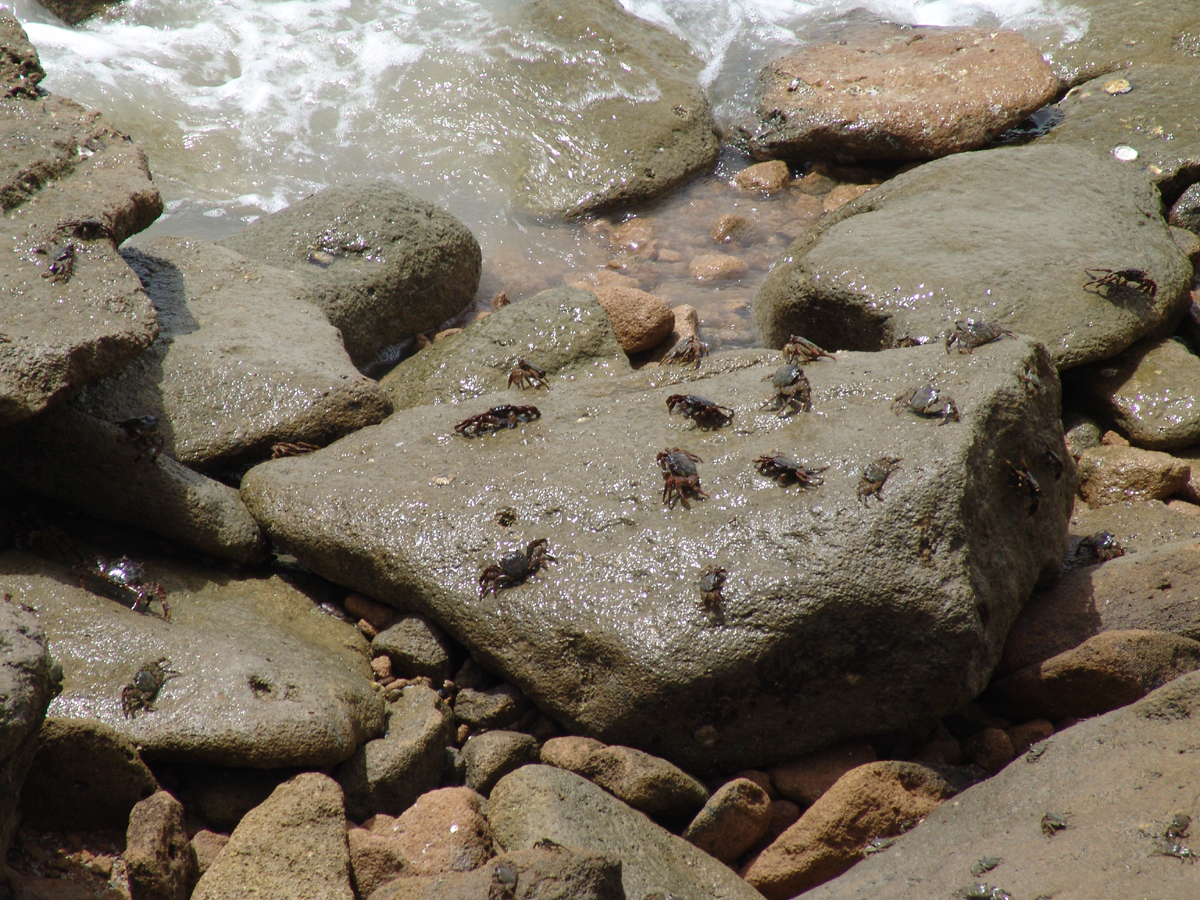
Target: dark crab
<point>929,402</point>
<point>874,476</point>
<point>1100,546</point>
<point>680,477</point>
<point>141,693</point>
<point>515,567</point>
<point>496,418</point>
<point>712,579</point>
<point>61,265</point>
<point>292,448</point>
<point>689,350</point>
<point>1053,823</point>
<point>1108,282</point>
<point>142,432</point>
<point>702,411</point>
<point>786,470</point>
<point>1027,485</point>
<point>802,350</point>
<point>969,334</point>
<point>792,390</point>
<point>121,579</point>
<point>526,374</point>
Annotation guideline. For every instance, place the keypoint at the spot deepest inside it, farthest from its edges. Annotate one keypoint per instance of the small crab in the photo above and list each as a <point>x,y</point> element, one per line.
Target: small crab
<point>292,448</point>
<point>143,690</point>
<point>515,567</point>
<point>121,579</point>
<point>1027,485</point>
<point>702,411</point>
<point>712,579</point>
<point>1120,279</point>
<point>1100,546</point>
<point>1178,826</point>
<point>983,892</point>
<point>929,402</point>
<point>680,477</point>
<point>969,334</point>
<point>792,390</point>
<point>1054,461</point>
<point>986,865</point>
<point>142,432</point>
<point>874,476</point>
<point>1175,849</point>
<point>786,470</point>
<point>1053,823</point>
<point>504,883</point>
<point>690,349</point>
<point>62,263</point>
<point>526,374</point>
<point>1036,751</point>
<point>496,418</point>
<point>802,350</point>
<point>877,845</point>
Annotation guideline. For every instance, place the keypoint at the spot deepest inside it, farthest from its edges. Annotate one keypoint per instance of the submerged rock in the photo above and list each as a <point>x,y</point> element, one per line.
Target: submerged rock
<point>919,594</point>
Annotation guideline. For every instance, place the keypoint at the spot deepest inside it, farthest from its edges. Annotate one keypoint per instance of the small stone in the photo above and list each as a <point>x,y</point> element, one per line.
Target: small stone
<point>1118,86</point>
<point>732,820</point>
<point>645,782</point>
<point>732,229</point>
<point>805,779</point>
<point>764,178</point>
<point>416,647</point>
<point>497,707</point>
<point>207,846</point>
<point>382,667</point>
<point>444,831</point>
<point>570,752</point>
<point>1111,474</point>
<point>1080,433</point>
<point>1124,153</point>
<point>843,194</point>
<point>990,749</point>
<point>491,756</point>
<point>641,320</point>
<point>716,267</point>
<point>157,855</point>
<point>500,300</point>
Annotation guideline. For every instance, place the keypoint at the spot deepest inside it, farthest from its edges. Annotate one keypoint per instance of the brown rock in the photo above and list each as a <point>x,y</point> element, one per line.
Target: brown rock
<point>1110,474</point>
<point>158,857</point>
<point>990,749</point>
<point>716,267</point>
<point>867,802</point>
<point>589,281</point>
<point>805,779</point>
<point>1105,672</point>
<point>732,821</point>
<point>733,229</point>
<point>444,831</point>
<point>363,607</point>
<point>375,858</point>
<point>570,752</point>
<point>206,847</point>
<point>641,320</point>
<point>941,751</point>
<point>1027,734</point>
<point>843,194</point>
<point>899,93</point>
<point>382,667</point>
<point>764,178</point>
<point>784,814</point>
<point>631,236</point>
<point>645,782</point>
<point>687,323</point>
<point>762,779</point>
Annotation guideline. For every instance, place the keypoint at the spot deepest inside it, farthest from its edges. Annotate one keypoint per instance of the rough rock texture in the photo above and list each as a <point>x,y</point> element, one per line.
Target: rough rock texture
<point>1140,526</point>
<point>374,860</point>
<point>242,361</point>
<point>1119,779</point>
<point>1113,473</point>
<point>444,831</point>
<point>294,845</point>
<point>387,774</point>
<point>541,873</point>
<point>805,779</point>
<point>865,278</point>
<point>920,611</point>
<point>896,92</point>
<point>640,320</point>
<point>541,802</point>
<point>564,331</point>
<point>764,178</point>
<point>645,782</point>
<point>382,263</point>
<point>492,755</point>
<point>93,465</point>
<point>67,177</point>
<point>158,857</point>
<point>868,802</point>
<point>496,707</point>
<point>221,795</point>
<point>416,647</point>
<point>1148,393</point>
<point>648,127</point>
<point>85,775</point>
<point>569,752</point>
<point>734,818</point>
<point>1185,211</point>
<point>265,678</point>
<point>72,12</point>
<point>206,847</point>
<point>1107,671</point>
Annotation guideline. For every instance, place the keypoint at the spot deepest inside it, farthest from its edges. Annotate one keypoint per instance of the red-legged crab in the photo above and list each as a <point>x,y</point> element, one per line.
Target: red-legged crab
<point>142,432</point>
<point>515,567</point>
<point>292,448</point>
<point>1027,486</point>
<point>688,350</point>
<point>929,402</point>
<point>792,390</point>
<point>497,418</point>
<point>874,476</point>
<point>712,580</point>
<point>969,334</point>
<point>526,374</point>
<point>680,477</point>
<point>141,693</point>
<point>61,264</point>
<point>1101,547</point>
<point>786,470</point>
<point>1108,282</point>
<point>121,579</point>
<point>703,412</point>
<point>801,350</point>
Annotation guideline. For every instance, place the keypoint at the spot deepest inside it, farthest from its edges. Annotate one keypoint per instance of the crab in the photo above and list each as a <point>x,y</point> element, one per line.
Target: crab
<point>792,390</point>
<point>1177,850</point>
<point>1101,546</point>
<point>62,263</point>
<point>986,865</point>
<point>1054,461</point>
<point>142,432</point>
<point>1178,826</point>
<point>504,883</point>
<point>877,845</point>
<point>292,448</point>
<point>969,334</point>
<point>1027,485</point>
<point>702,411</point>
<point>679,476</point>
<point>496,418</point>
<point>121,579</point>
<point>141,693</point>
<point>802,350</point>
<point>786,470</point>
<point>515,567</point>
<point>1053,823</point>
<point>874,476</point>
<point>712,579</point>
<point>929,402</point>
<point>1120,279</point>
<point>688,350</point>
<point>526,374</point>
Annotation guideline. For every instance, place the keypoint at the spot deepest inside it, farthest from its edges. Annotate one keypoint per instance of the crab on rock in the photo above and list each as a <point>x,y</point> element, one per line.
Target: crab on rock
<point>121,579</point>
<point>801,350</point>
<point>792,390</point>
<point>526,374</point>
<point>969,334</point>
<point>929,402</point>
<point>786,470</point>
<point>515,567</point>
<point>143,690</point>
<point>680,477</point>
<point>496,418</point>
<point>688,350</point>
<point>703,412</point>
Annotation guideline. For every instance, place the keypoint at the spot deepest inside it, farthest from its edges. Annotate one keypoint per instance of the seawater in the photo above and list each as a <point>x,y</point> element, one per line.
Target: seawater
<point>246,106</point>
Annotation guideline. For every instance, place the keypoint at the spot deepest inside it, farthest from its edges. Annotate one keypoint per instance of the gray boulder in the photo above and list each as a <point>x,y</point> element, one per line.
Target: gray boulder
<point>497,707</point>
<point>416,647</point>
<point>490,756</point>
<point>539,803</point>
<point>920,593</point>
<point>867,277</point>
<point>382,263</point>
<point>94,465</point>
<point>158,858</point>
<point>242,361</point>
<point>564,331</point>
<point>645,782</point>
<point>1185,211</point>
<point>387,774</point>
<point>264,678</point>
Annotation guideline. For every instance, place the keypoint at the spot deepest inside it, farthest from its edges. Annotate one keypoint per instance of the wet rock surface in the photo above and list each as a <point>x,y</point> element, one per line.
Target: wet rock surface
<point>888,92</point>
<point>1114,474</point>
<point>865,278</point>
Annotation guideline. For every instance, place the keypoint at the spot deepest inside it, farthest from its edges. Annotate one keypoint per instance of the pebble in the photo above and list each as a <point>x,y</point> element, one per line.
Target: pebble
<point>764,178</point>
<point>1112,473</point>
<point>716,267</point>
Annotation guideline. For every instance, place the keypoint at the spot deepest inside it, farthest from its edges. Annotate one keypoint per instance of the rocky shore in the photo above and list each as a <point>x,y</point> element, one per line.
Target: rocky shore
<point>332,569</point>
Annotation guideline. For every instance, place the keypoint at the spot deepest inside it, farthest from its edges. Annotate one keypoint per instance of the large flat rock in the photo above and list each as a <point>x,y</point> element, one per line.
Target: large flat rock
<point>839,617</point>
<point>1003,236</point>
